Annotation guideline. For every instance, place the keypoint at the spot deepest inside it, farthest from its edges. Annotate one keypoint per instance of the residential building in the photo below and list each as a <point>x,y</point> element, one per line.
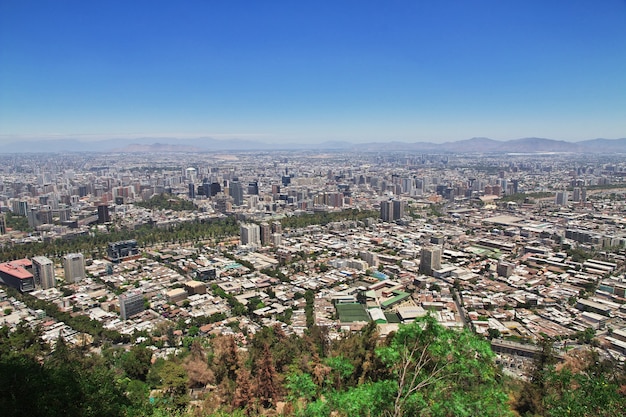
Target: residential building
<point>43,271</point>
<point>131,303</point>
<point>430,259</point>
<point>74,266</point>
<point>250,234</point>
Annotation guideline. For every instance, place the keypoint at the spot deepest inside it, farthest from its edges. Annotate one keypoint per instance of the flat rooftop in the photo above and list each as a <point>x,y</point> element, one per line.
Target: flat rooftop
<point>17,268</point>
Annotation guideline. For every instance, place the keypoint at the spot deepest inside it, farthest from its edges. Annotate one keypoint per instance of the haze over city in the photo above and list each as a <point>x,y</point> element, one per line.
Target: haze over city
<point>309,72</point>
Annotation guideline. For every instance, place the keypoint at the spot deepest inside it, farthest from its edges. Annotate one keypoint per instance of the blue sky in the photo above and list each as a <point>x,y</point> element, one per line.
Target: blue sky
<point>313,71</point>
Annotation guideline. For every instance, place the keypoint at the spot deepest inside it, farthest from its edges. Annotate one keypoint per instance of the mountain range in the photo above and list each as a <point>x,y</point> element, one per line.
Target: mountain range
<point>208,144</point>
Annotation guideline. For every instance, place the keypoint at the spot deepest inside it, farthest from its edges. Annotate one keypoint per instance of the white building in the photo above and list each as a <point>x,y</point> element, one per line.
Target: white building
<point>43,271</point>
<point>250,234</point>
<point>74,266</point>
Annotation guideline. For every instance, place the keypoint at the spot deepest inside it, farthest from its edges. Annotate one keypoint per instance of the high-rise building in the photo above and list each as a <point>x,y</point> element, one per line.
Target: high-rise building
<point>515,186</point>
<point>131,303</point>
<point>430,259</point>
<point>386,211</point>
<point>214,188</point>
<point>561,198</point>
<point>103,214</point>
<point>277,239</point>
<point>253,188</point>
<point>74,266</point>
<point>190,174</point>
<point>398,209</point>
<point>250,234</point>
<point>43,271</point>
<point>20,207</point>
<point>266,234</point>
<point>3,224</point>
<point>236,192</point>
<point>392,210</point>
<point>505,269</point>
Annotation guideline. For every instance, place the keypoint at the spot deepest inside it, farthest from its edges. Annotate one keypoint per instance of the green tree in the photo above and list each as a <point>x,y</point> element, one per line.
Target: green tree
<point>300,385</point>
<point>173,382</point>
<point>136,362</point>
<point>341,369</point>
<point>430,371</point>
<point>443,372</point>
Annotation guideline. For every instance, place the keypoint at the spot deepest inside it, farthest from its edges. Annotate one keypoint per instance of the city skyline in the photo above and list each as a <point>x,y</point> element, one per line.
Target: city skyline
<point>312,72</point>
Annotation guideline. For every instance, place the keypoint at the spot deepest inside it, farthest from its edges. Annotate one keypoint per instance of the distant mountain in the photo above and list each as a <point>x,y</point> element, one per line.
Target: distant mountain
<point>156,148</point>
<point>208,144</point>
<point>602,145</point>
<point>471,145</point>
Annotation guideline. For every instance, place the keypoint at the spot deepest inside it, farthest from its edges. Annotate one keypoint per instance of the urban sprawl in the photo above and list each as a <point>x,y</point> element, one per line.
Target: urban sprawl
<point>516,247</point>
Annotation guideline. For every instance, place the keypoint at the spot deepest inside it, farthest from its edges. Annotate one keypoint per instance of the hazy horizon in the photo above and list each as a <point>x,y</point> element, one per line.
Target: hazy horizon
<point>312,72</point>
<point>154,139</point>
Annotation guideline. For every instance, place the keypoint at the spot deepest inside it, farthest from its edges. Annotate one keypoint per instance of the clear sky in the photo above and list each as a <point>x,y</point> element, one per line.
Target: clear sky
<point>313,71</point>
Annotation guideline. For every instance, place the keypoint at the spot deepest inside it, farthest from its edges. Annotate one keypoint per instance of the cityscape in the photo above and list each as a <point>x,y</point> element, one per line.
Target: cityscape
<point>516,247</point>
<point>351,208</point>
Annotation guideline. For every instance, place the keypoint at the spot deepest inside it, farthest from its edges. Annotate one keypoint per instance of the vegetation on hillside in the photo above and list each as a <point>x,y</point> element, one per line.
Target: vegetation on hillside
<point>423,369</point>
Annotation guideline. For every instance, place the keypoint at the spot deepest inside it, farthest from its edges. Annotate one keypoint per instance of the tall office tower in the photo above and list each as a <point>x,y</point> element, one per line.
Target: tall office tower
<point>392,210</point>
<point>43,271</point>
<point>408,185</point>
<point>250,234</point>
<point>253,188</point>
<point>583,195</point>
<point>131,303</point>
<point>398,209</point>
<point>430,259</point>
<point>561,198</point>
<point>190,175</point>
<point>266,234</point>
<point>576,195</point>
<point>236,192</point>
<point>33,217</point>
<point>215,188</point>
<point>74,266</point>
<point>19,207</point>
<point>504,185</point>
<point>103,214</point>
<point>515,186</point>
<point>192,191</point>
<point>3,224</point>
<point>386,211</point>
